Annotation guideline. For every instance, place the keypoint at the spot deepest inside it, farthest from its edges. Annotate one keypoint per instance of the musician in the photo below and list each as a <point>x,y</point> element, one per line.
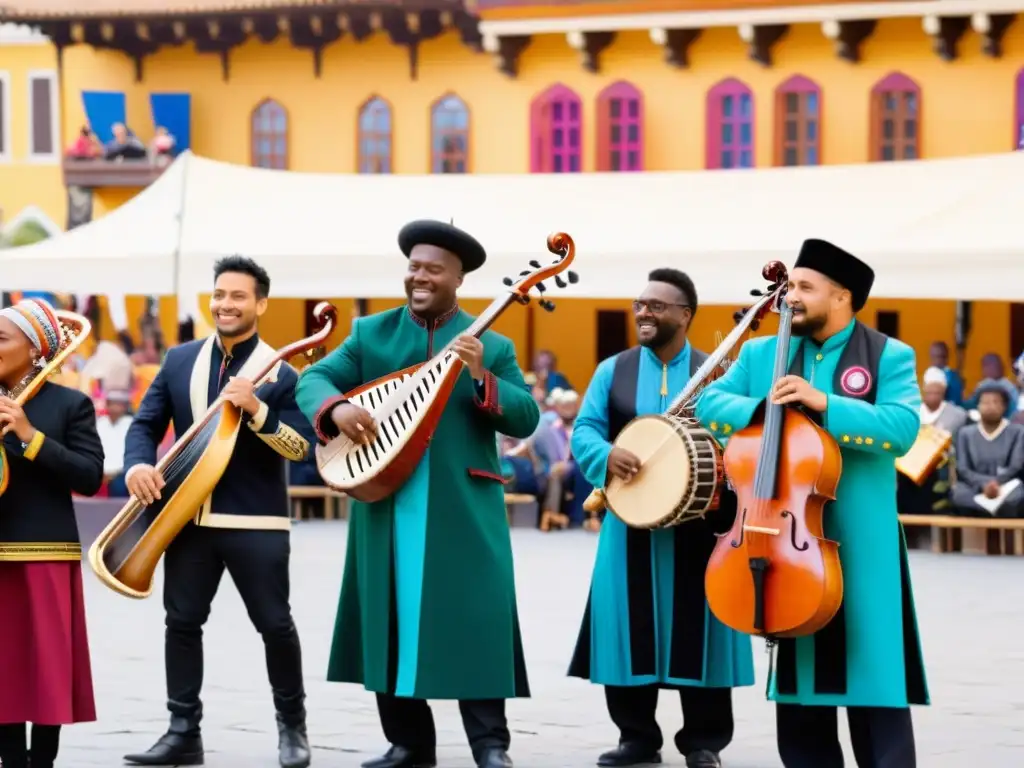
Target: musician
<point>647,625</point>
<point>861,386</point>
<point>243,527</point>
<point>428,602</point>
<point>50,451</point>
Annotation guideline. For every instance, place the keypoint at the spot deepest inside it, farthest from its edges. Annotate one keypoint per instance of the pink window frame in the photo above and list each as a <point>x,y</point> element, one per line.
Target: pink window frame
<point>1018,112</point>
<point>802,86</point>
<point>901,83</point>
<point>715,120</point>
<point>543,127</point>
<point>625,93</point>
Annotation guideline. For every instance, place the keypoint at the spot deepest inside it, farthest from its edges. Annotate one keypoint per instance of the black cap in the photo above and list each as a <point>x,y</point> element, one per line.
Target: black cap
<point>842,267</point>
<point>447,236</point>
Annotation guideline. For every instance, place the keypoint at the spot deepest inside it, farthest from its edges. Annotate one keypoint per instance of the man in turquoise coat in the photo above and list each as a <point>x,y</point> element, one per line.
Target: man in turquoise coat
<point>428,601</point>
<point>647,625</point>
<point>861,387</point>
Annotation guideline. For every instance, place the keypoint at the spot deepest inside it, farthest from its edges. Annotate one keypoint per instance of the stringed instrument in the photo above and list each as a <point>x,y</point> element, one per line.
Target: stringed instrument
<point>681,473</point>
<point>126,553</point>
<point>774,574</point>
<point>407,405</point>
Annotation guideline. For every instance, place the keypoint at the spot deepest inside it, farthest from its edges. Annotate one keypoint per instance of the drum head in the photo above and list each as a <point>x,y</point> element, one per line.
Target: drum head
<point>650,499</point>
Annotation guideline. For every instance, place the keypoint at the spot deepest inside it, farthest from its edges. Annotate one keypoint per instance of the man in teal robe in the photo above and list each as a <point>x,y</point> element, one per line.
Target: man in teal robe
<point>647,624</point>
<point>428,602</point>
<point>861,387</point>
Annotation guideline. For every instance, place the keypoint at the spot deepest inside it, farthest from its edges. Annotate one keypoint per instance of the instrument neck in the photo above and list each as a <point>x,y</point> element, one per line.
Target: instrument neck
<point>715,359</point>
<point>484,321</point>
<point>765,476</point>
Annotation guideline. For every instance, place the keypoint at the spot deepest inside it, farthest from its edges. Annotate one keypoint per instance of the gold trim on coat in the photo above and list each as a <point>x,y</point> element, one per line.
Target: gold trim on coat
<point>245,522</point>
<point>39,551</point>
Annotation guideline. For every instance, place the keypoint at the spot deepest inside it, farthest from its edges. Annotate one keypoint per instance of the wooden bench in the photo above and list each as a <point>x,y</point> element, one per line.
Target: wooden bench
<point>335,502</point>
<point>526,519</point>
<point>947,531</point>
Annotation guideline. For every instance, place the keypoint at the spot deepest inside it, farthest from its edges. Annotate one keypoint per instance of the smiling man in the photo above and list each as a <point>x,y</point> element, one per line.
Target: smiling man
<point>647,625</point>
<point>428,600</point>
<point>243,527</point>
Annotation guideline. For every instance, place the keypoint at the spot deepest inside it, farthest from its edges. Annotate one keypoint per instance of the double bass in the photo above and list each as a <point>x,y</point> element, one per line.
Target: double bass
<point>774,574</point>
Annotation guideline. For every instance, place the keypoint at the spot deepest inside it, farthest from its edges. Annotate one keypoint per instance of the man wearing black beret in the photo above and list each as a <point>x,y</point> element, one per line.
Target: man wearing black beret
<point>428,602</point>
<point>861,387</point>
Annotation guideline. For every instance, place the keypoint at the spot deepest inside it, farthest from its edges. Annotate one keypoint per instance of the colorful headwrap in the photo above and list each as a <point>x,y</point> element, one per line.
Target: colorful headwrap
<point>38,321</point>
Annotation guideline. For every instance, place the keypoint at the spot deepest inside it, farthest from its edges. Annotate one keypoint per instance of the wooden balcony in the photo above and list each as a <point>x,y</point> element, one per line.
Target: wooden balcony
<point>131,174</point>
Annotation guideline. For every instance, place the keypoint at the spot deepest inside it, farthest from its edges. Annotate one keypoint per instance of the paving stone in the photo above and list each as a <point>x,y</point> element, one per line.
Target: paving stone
<point>969,609</point>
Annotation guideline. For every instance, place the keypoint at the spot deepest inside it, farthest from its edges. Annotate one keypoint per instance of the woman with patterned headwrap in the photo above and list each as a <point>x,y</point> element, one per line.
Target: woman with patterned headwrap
<point>50,450</point>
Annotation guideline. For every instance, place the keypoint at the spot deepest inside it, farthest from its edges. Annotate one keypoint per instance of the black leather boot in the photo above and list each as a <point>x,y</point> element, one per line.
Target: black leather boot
<point>630,753</point>
<point>292,744</point>
<point>45,743</point>
<point>400,757</point>
<point>13,746</point>
<point>494,757</point>
<point>181,745</point>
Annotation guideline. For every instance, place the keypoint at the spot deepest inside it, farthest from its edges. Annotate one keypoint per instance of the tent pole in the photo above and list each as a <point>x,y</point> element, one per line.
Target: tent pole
<point>185,327</point>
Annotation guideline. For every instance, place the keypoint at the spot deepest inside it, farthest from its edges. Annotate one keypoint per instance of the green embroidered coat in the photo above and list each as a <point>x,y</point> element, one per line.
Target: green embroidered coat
<point>428,601</point>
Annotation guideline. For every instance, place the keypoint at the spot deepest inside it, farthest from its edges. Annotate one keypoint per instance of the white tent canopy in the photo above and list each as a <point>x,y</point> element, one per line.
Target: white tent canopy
<point>931,228</point>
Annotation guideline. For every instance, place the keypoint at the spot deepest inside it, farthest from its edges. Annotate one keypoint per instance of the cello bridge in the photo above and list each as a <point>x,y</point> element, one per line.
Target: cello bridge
<point>759,529</point>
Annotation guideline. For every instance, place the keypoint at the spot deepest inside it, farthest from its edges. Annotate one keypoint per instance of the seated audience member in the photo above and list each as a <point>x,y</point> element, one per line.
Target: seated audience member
<point>112,427</point>
<point>551,444</point>
<point>989,454</point>
<point>993,370</point>
<point>86,147</point>
<point>545,367</point>
<point>125,145</point>
<point>932,496</point>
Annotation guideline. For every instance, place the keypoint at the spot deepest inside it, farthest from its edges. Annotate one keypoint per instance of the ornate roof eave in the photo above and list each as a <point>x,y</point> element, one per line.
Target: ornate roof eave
<point>218,28</point>
<point>847,24</point>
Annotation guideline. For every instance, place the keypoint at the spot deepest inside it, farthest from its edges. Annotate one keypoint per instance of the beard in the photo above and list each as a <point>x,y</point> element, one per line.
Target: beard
<point>663,334</point>
<point>808,326</point>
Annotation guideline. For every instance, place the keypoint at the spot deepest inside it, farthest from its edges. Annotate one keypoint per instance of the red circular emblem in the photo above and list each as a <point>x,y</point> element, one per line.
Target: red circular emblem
<point>855,380</point>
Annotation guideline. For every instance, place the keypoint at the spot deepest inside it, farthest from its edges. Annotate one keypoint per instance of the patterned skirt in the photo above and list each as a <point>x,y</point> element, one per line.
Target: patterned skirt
<point>45,669</point>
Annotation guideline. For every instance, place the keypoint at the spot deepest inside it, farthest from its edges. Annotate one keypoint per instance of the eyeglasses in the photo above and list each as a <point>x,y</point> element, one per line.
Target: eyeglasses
<point>656,307</point>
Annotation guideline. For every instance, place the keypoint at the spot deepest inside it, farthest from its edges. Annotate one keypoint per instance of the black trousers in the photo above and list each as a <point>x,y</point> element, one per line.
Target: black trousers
<point>707,717</point>
<point>258,564</point>
<point>15,745</point>
<point>882,737</point>
<point>409,723</point>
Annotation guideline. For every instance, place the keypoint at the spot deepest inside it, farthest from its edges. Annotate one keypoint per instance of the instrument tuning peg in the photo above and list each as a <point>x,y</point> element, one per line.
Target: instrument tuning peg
<point>548,305</point>
<point>524,273</point>
<point>507,280</point>
<point>535,264</point>
<point>541,287</point>
<point>560,282</point>
<point>756,292</point>
<point>573,277</point>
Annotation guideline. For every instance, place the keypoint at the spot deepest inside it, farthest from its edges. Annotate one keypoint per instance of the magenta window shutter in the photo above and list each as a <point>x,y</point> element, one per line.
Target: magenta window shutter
<point>620,141</point>
<point>556,131</point>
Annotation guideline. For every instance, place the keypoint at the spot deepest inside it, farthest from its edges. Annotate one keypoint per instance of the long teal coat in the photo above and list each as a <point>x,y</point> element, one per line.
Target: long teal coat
<point>682,643</point>
<point>436,556</point>
<point>882,665</point>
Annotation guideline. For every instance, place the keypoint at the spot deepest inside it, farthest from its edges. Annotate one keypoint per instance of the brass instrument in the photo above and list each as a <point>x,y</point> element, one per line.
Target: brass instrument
<point>76,329</point>
<point>126,553</point>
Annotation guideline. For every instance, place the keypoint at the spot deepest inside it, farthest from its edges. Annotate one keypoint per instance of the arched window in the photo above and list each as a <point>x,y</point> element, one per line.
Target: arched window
<point>270,135</point>
<point>449,129</point>
<point>730,125</point>
<point>1018,115</point>
<point>556,131</point>
<point>375,136</point>
<point>620,141</point>
<point>895,119</point>
<point>798,122</point>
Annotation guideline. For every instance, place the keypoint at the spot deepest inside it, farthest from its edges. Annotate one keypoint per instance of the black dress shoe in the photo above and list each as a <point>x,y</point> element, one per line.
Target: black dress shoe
<point>630,753</point>
<point>495,757</point>
<point>400,757</point>
<point>171,749</point>
<point>293,746</point>
<point>703,758</point>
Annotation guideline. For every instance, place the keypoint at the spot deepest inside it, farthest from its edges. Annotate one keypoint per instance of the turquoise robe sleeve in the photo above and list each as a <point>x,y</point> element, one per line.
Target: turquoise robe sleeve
<point>590,446</point>
<point>322,385</point>
<point>506,396</point>
<point>726,406</point>
<point>890,426</point>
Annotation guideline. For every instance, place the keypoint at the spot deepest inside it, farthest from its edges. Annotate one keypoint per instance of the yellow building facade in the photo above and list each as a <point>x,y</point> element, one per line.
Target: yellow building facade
<point>965,106</point>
